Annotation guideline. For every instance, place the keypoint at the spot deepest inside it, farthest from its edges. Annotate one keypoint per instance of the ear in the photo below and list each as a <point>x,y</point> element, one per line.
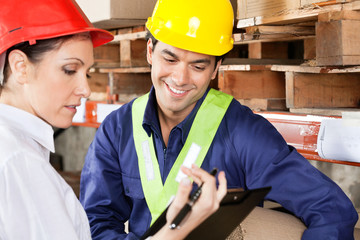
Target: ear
<point>216,70</point>
<point>18,64</point>
<point>149,51</point>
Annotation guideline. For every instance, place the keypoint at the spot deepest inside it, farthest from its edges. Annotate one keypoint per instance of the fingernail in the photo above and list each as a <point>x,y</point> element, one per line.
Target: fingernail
<point>185,181</point>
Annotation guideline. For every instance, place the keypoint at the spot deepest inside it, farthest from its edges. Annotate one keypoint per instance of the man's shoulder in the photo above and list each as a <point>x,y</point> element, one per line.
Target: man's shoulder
<point>242,116</point>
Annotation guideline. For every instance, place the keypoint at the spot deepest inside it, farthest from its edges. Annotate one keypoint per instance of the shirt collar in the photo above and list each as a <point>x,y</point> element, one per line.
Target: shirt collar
<point>29,124</point>
<point>151,120</point>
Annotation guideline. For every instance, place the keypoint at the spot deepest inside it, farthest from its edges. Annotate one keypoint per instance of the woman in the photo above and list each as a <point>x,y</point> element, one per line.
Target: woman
<point>46,51</point>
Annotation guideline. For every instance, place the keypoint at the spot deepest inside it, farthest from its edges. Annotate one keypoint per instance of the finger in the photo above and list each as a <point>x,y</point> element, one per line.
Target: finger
<point>181,198</point>
<point>190,173</point>
<point>202,175</point>
<point>183,192</point>
<point>222,188</point>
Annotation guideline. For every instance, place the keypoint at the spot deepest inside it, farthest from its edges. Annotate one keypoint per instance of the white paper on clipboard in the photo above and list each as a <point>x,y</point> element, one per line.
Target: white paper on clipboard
<point>339,139</point>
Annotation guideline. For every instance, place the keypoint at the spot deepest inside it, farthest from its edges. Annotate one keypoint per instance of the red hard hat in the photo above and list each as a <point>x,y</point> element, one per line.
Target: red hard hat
<point>31,20</point>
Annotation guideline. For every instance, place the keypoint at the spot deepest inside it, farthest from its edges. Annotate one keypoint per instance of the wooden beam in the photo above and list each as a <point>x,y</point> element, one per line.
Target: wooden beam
<point>310,48</point>
<point>129,36</point>
<point>295,30</point>
<point>130,85</point>
<point>323,111</point>
<point>252,84</point>
<point>339,15</point>
<point>126,70</point>
<point>268,50</point>
<point>289,89</point>
<point>297,15</point>
<point>265,104</point>
<point>312,69</point>
<point>245,38</point>
<point>107,56</point>
<point>337,43</point>
<point>304,90</point>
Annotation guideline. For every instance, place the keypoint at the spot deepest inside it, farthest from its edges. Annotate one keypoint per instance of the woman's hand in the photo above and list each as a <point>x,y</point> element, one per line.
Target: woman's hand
<point>206,205</point>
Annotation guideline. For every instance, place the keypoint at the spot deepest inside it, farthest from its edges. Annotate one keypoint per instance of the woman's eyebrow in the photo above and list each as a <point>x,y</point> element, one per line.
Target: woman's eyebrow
<point>75,58</point>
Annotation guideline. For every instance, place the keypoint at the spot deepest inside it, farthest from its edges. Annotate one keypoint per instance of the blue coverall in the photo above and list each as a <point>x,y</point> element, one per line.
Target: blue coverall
<point>246,146</point>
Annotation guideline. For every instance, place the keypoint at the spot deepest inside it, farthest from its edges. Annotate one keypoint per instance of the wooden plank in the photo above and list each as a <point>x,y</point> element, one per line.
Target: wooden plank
<point>262,104</point>
<point>138,53</point>
<point>125,53</point>
<point>130,85</point>
<point>310,48</point>
<point>305,3</point>
<point>296,30</point>
<point>338,43</point>
<point>253,84</point>
<point>245,38</point>
<point>129,36</point>
<point>126,70</point>
<point>297,15</point>
<point>312,69</point>
<point>289,89</point>
<point>248,8</point>
<point>255,50</point>
<point>107,55</point>
<point>340,15</point>
<point>260,62</point>
<point>323,90</point>
<point>269,50</point>
<point>323,111</point>
<point>132,47</point>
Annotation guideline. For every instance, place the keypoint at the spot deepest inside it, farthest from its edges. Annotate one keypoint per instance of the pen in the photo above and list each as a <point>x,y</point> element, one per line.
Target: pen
<point>187,208</point>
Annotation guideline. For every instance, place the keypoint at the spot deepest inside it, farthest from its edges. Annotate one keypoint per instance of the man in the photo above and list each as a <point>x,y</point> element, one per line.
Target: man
<point>132,167</point>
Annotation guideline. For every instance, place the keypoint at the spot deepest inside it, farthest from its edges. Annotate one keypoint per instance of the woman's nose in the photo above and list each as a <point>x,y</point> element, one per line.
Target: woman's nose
<point>83,89</point>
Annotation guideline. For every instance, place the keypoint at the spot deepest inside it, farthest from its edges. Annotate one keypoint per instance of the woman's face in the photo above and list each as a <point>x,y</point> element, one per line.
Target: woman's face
<point>56,84</point>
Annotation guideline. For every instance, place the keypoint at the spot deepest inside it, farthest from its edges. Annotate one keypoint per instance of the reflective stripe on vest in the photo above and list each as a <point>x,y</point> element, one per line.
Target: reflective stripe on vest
<point>202,132</point>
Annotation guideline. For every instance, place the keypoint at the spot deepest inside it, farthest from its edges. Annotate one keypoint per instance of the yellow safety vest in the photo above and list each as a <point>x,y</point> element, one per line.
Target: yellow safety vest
<point>202,132</point>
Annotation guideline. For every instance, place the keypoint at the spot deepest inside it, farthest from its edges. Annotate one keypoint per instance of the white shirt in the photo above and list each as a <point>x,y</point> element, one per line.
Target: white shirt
<point>35,201</point>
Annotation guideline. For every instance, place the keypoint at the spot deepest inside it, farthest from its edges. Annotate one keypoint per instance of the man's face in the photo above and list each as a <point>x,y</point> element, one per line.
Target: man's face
<point>180,77</point>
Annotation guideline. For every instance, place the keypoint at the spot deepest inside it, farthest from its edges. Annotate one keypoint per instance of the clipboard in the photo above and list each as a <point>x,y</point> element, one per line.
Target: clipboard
<point>234,208</point>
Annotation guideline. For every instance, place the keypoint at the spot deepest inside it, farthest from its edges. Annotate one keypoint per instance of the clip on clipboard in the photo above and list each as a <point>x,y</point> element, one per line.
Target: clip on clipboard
<point>234,208</point>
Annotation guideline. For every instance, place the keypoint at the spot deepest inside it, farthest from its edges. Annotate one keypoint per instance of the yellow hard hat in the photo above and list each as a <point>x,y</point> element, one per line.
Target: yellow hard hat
<point>202,26</point>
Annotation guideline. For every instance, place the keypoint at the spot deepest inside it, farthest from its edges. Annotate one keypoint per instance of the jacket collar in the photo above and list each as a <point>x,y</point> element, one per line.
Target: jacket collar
<point>151,120</point>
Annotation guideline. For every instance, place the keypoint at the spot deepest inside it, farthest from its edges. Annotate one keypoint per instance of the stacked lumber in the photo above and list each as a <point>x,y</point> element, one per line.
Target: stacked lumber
<point>121,71</point>
<point>325,81</point>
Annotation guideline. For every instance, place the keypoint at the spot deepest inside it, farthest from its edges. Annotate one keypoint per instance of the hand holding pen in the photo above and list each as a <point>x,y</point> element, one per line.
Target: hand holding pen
<point>187,207</point>
<point>207,203</point>
<point>207,198</point>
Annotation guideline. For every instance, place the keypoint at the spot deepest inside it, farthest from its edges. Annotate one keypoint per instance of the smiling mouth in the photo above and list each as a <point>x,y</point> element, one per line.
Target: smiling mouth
<point>174,90</point>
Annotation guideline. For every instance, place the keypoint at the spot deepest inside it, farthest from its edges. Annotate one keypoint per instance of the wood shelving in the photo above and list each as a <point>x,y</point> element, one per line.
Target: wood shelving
<point>269,87</point>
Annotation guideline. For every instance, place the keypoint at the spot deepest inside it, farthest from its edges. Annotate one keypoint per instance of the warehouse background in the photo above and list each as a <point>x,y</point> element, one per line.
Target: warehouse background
<point>278,43</point>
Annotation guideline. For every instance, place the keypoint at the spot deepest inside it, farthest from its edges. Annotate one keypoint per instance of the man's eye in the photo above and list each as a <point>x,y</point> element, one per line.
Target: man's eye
<point>199,68</point>
<point>169,60</point>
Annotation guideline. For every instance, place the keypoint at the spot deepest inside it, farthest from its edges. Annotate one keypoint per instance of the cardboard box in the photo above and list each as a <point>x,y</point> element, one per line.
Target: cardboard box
<point>267,224</point>
<point>111,14</point>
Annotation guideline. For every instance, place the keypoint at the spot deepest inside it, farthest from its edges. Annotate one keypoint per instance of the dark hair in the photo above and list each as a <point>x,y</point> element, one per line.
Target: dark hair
<point>154,41</point>
<point>35,52</point>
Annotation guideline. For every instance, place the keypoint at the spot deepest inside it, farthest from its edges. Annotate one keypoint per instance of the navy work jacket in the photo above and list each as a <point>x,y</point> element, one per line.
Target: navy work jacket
<point>246,146</point>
